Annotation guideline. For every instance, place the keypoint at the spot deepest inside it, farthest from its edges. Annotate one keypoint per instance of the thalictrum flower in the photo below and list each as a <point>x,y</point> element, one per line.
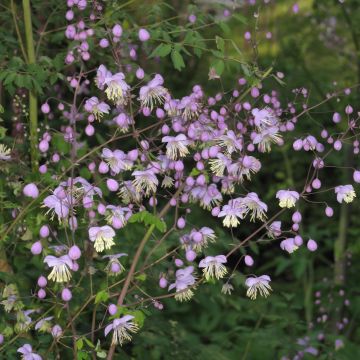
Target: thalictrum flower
<point>117,89</point>
<point>274,229</point>
<point>231,142</point>
<point>287,198</point>
<point>231,212</point>
<point>266,137</point>
<point>253,204</point>
<point>153,93</point>
<point>114,259</point>
<point>61,265</point>
<point>27,353</point>
<point>122,328</point>
<point>176,146</point>
<point>264,118</point>
<point>345,193</point>
<point>213,266</point>
<point>184,279</point>
<point>102,237</point>
<point>258,284</point>
<point>117,160</point>
<point>289,245</point>
<point>4,152</point>
<point>96,107</point>
<point>145,180</point>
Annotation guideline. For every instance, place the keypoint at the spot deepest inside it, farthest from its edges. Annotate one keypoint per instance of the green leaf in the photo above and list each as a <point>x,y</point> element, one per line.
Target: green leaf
<point>79,344</point>
<point>220,43</point>
<point>101,354</point>
<point>141,277</point>
<point>177,60</point>
<point>148,219</point>
<point>89,343</point>
<point>101,296</point>
<point>219,67</point>
<point>162,50</point>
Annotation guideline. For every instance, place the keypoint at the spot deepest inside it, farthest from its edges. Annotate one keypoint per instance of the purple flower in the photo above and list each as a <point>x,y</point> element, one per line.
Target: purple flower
<point>221,163</point>
<point>345,193</point>
<point>121,328</point>
<point>253,204</point>
<point>128,193</point>
<point>231,142</point>
<point>4,153</point>
<point>264,118</point>
<point>101,76</point>
<point>176,146</point>
<point>27,353</point>
<point>102,237</point>
<point>213,266</point>
<point>266,137</point>
<point>287,198</point>
<point>118,216</point>
<point>117,89</point>
<point>145,180</point>
<point>289,245</point>
<point>184,279</point>
<point>256,284</point>
<point>274,230</point>
<point>56,331</point>
<point>114,263</point>
<point>117,160</point>
<point>58,203</point>
<point>43,324</point>
<point>153,93</point>
<point>61,265</point>
<point>231,212</point>
<point>94,106</point>
<point>244,168</point>
<point>208,196</point>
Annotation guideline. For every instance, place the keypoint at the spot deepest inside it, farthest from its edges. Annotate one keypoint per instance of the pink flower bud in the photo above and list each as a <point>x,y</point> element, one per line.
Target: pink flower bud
<point>36,248</point>
<point>179,262</point>
<point>336,118</point>
<point>89,130</point>
<point>112,184</point>
<point>190,255</point>
<point>329,211</point>
<point>356,176</point>
<point>311,245</point>
<point>249,261</point>
<point>144,35</point>
<point>74,253</point>
<point>44,231</point>
<point>31,190</point>
<point>163,282</point>
<point>66,294</point>
<point>42,282</point>
<point>104,43</point>
<point>181,223</point>
<point>45,108</point>
<point>298,241</point>
<point>41,294</point>
<point>103,167</point>
<point>117,30</point>
<point>296,217</point>
<point>112,309</point>
<point>43,146</point>
<point>316,184</point>
<point>140,73</point>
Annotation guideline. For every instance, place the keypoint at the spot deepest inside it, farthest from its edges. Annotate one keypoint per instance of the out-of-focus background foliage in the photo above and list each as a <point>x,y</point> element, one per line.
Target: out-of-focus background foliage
<point>316,47</point>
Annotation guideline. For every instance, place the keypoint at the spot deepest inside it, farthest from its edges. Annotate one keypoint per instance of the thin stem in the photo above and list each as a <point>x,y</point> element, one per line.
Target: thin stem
<point>33,104</point>
<point>21,44</point>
